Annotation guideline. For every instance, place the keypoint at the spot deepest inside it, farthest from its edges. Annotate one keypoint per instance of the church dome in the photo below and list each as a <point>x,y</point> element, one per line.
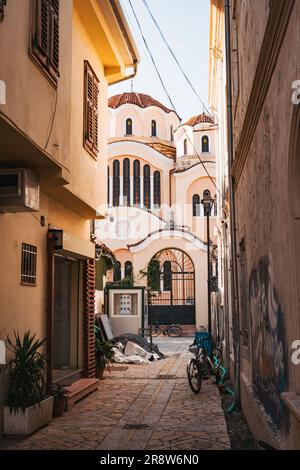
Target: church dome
<point>139,99</point>
<point>193,121</point>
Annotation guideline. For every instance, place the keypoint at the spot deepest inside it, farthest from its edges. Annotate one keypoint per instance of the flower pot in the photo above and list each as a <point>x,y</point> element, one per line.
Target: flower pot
<point>100,372</point>
<point>22,424</point>
<point>59,406</point>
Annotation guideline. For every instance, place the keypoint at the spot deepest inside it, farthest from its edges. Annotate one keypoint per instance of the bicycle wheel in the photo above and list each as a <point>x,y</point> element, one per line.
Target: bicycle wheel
<point>155,331</point>
<point>174,331</point>
<point>194,375</point>
<point>210,369</point>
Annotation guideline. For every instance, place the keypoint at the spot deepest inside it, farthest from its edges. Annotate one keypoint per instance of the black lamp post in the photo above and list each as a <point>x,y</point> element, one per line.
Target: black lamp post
<point>207,203</point>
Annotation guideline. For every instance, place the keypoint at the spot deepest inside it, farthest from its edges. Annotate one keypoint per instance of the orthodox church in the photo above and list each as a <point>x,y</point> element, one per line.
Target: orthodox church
<point>155,223</point>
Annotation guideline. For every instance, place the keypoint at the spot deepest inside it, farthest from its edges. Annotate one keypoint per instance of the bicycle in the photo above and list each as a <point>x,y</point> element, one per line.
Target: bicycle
<point>206,363</point>
<point>173,331</point>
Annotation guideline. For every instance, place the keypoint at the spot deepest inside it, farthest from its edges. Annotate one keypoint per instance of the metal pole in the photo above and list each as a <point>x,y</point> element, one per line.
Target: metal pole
<point>208,275</point>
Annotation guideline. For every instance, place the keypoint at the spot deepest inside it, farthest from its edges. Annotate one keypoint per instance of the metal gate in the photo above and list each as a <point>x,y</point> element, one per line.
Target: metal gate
<point>171,283</point>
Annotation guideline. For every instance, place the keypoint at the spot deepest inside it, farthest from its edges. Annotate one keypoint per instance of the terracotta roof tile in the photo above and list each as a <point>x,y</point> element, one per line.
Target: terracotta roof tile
<point>139,99</point>
<point>193,121</point>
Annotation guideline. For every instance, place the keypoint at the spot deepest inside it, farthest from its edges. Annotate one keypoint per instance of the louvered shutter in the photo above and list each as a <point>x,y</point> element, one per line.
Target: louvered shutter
<point>44,47</point>
<point>91,127</point>
<point>54,49</point>
<point>95,110</point>
<point>43,26</point>
<point>89,318</point>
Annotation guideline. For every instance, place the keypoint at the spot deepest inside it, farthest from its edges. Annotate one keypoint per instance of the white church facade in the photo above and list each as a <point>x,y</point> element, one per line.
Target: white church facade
<point>155,223</point>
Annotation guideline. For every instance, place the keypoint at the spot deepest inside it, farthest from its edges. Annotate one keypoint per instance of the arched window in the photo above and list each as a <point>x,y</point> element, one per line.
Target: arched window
<point>167,276</point>
<point>147,188</point>
<point>153,128</point>
<point>128,270</point>
<point>136,183</point>
<point>153,275</point>
<point>156,188</point>
<point>128,126</point>
<point>171,134</point>
<point>205,144</point>
<point>116,183</point>
<point>126,181</point>
<point>108,187</point>
<point>196,205</point>
<point>117,271</point>
<point>185,147</point>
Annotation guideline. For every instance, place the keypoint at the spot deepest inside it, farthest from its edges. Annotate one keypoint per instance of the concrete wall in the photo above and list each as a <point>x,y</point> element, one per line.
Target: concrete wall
<point>141,121</point>
<point>31,99</point>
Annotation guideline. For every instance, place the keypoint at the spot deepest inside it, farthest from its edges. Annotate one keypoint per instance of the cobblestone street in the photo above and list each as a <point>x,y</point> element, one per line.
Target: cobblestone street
<point>140,407</point>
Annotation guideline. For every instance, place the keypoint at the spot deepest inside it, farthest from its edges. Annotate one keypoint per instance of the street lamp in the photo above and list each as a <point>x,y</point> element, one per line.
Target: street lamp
<point>207,203</point>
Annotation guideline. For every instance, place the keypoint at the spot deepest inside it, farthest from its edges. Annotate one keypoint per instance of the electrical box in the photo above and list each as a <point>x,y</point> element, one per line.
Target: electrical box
<point>19,190</point>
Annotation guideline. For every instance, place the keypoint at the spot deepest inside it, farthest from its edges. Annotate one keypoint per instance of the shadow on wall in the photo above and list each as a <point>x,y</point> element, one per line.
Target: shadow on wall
<point>269,347</point>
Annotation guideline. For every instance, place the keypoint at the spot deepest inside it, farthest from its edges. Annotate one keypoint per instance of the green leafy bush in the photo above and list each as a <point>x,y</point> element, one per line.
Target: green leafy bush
<point>26,372</point>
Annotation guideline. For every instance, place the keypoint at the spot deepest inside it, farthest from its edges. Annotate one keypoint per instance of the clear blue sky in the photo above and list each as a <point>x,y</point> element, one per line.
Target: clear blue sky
<point>185,24</point>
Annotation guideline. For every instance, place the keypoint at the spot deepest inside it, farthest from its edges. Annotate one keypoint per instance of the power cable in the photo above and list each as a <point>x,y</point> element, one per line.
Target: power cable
<point>174,57</point>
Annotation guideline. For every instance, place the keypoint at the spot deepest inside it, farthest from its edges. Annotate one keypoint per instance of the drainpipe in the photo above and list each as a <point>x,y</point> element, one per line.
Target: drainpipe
<point>234,279</point>
<point>128,77</point>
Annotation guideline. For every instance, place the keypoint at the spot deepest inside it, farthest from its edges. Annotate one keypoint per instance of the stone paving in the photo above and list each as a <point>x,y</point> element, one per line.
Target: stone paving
<point>140,407</point>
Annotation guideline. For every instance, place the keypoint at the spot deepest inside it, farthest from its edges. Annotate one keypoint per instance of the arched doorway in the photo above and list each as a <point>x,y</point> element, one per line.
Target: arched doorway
<point>171,283</point>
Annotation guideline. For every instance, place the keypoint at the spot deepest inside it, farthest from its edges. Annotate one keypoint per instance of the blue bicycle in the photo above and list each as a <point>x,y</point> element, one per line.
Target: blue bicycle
<point>206,363</point>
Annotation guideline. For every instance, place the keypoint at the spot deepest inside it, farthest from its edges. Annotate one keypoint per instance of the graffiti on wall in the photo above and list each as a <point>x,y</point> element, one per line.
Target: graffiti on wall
<point>269,347</point>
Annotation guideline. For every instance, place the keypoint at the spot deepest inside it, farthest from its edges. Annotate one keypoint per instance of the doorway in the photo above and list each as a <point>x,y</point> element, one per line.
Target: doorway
<point>67,321</point>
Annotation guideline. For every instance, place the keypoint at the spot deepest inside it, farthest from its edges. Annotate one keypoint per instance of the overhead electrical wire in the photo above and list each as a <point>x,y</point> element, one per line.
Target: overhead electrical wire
<point>169,97</point>
<point>175,58</point>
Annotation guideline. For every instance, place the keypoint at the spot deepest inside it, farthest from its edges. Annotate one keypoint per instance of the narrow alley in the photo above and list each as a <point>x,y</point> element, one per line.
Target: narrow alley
<point>140,407</point>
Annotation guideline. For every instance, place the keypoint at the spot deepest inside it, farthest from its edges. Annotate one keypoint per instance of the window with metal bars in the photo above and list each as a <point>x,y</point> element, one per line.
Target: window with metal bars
<point>44,37</point>
<point>136,183</point>
<point>91,92</point>
<point>126,181</point>
<point>156,184</point>
<point>147,187</point>
<point>28,264</point>
<point>116,183</point>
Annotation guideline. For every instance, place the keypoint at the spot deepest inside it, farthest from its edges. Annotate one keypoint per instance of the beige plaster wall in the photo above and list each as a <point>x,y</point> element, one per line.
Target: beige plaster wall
<point>30,100</point>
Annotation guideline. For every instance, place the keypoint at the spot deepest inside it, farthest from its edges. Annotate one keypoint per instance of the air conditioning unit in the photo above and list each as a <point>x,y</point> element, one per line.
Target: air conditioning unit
<point>19,190</point>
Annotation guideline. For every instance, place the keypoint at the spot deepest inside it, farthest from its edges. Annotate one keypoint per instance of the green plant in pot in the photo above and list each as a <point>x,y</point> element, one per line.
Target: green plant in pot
<point>60,396</point>
<point>104,354</point>
<point>26,407</point>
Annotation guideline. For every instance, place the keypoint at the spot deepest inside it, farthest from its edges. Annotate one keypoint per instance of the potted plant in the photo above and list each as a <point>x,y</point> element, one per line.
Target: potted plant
<point>27,407</point>
<point>59,404</point>
<point>104,354</point>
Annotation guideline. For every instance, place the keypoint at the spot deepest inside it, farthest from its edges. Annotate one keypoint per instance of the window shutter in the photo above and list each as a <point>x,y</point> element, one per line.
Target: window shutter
<point>91,122</point>
<point>2,5</point>
<point>89,318</point>
<point>95,101</point>
<point>89,114</point>
<point>54,56</point>
<point>43,26</point>
<point>44,47</point>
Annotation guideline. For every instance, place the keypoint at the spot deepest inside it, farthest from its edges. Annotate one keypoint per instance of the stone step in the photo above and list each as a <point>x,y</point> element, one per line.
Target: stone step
<point>80,389</point>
